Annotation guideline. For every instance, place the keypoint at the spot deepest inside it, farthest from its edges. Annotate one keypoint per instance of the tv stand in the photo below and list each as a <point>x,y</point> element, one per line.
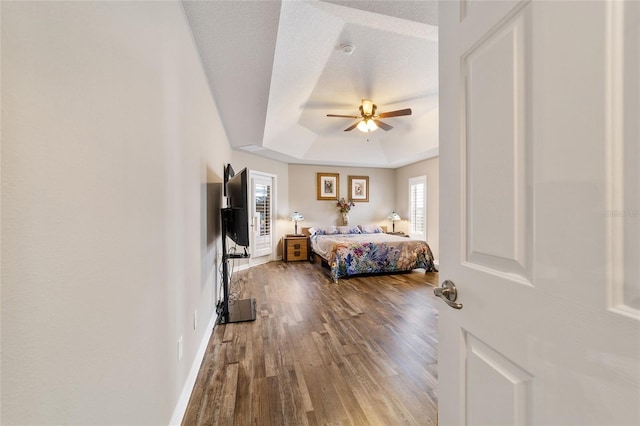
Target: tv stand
<point>237,310</point>
<point>237,256</point>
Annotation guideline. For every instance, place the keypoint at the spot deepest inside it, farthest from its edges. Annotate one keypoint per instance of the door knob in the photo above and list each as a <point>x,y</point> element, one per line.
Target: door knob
<point>448,293</point>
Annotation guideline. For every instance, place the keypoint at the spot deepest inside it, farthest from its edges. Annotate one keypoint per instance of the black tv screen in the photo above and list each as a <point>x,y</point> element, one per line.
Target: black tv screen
<point>237,215</point>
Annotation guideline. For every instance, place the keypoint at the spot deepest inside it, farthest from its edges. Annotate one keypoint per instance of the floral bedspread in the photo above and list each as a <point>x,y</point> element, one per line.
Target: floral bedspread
<point>372,253</point>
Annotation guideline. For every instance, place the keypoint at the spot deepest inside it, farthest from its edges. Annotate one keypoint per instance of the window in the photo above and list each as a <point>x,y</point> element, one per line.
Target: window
<point>263,209</point>
<point>418,206</point>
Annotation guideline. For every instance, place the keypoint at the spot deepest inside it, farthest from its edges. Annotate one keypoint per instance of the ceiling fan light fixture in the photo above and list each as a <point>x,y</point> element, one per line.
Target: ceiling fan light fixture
<point>368,120</point>
<point>367,107</point>
<point>367,125</point>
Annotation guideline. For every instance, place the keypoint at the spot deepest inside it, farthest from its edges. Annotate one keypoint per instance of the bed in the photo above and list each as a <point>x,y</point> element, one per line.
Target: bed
<point>356,250</point>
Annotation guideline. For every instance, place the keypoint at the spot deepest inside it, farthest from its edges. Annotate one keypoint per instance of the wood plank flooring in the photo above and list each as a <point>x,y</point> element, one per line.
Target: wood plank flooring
<point>362,351</point>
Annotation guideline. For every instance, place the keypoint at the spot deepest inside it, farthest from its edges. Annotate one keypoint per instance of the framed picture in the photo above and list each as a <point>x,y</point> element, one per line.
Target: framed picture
<point>359,188</point>
<point>328,186</point>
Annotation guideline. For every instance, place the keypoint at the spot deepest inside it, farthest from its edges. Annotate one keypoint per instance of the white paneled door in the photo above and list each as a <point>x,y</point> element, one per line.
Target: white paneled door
<point>540,212</point>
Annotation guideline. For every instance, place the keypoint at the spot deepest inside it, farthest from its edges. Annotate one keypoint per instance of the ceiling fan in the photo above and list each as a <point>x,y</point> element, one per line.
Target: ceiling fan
<point>368,119</point>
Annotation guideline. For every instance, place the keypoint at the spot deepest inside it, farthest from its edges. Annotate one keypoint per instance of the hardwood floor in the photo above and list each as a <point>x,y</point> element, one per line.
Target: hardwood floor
<point>362,351</point>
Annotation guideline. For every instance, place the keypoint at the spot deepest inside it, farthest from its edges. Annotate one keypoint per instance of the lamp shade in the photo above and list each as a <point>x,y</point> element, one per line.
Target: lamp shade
<point>296,216</point>
<point>393,216</point>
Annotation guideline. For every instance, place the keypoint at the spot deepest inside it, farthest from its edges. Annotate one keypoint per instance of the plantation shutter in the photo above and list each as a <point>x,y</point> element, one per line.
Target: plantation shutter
<point>418,206</point>
<point>262,215</point>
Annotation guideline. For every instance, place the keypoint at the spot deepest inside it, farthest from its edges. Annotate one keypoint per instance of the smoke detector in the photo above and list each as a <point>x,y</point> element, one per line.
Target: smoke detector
<point>347,49</point>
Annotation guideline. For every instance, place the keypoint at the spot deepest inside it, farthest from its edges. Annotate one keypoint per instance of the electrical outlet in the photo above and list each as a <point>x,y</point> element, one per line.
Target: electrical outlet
<point>195,319</point>
<point>180,348</point>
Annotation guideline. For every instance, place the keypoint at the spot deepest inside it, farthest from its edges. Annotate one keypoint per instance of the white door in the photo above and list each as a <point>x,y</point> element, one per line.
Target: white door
<point>540,212</point>
<point>262,214</point>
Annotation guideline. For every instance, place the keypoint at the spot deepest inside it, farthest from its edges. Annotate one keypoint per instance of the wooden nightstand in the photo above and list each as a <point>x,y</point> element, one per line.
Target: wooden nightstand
<point>296,247</point>
<point>400,234</point>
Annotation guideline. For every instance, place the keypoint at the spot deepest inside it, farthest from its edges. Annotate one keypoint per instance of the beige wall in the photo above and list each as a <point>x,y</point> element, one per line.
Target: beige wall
<point>430,169</point>
<point>303,196</point>
<point>296,191</point>
<point>109,139</point>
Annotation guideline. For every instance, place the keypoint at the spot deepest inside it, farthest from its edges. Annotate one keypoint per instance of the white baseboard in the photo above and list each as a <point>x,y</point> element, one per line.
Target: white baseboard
<point>183,401</point>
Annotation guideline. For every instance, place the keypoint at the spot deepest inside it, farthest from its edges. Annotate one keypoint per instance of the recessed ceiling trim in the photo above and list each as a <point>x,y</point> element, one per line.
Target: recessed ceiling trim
<point>275,73</point>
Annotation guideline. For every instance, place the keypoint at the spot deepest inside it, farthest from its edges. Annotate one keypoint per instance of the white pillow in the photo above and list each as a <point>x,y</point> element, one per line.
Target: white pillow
<point>348,230</point>
<point>371,229</point>
<point>327,230</point>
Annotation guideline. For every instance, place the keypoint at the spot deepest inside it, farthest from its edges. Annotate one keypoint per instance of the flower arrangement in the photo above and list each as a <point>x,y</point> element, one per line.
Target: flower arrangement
<point>344,205</point>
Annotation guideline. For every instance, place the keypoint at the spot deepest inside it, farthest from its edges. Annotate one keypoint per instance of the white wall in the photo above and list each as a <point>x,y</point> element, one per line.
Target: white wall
<point>430,169</point>
<point>303,196</point>
<point>110,136</point>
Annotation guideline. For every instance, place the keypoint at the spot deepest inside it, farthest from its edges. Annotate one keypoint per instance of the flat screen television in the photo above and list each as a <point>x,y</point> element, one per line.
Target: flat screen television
<point>236,216</point>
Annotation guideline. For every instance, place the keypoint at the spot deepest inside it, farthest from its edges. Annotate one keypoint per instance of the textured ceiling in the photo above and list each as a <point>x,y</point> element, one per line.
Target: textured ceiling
<point>276,70</point>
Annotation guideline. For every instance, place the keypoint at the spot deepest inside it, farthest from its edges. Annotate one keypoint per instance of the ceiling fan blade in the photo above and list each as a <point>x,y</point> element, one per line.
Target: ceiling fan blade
<point>406,111</point>
<point>383,126</point>
<point>352,126</point>
<point>343,116</point>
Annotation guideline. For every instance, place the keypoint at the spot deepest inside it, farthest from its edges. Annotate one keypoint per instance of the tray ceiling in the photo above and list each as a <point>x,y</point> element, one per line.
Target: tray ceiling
<point>276,69</point>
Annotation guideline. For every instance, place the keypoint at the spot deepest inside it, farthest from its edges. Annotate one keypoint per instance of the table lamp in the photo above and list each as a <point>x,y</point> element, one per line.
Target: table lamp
<point>393,216</point>
<point>295,216</point>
